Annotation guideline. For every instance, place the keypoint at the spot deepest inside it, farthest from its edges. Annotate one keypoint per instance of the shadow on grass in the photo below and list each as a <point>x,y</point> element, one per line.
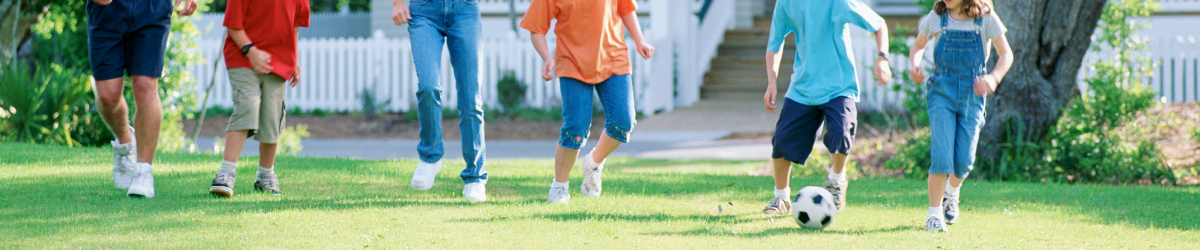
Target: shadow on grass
<point>792,230</point>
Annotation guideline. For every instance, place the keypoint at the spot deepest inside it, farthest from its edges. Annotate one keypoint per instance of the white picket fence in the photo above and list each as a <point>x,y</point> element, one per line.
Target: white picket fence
<point>336,72</point>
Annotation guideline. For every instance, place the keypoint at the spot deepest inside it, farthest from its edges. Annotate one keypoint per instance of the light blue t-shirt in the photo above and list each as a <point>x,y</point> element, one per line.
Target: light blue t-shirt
<point>824,67</point>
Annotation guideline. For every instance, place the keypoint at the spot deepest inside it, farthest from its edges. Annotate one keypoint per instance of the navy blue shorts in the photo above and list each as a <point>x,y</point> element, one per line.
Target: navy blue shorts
<point>128,36</point>
<point>798,125</point>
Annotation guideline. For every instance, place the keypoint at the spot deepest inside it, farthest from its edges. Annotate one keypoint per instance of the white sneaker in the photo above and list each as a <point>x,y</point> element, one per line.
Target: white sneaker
<point>559,195</point>
<point>935,223</point>
<point>425,174</point>
<point>124,155</point>
<point>475,192</point>
<point>591,177</point>
<point>143,181</point>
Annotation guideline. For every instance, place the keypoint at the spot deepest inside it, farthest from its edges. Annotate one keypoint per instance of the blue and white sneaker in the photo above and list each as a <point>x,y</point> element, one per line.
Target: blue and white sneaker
<point>950,205</point>
<point>935,223</point>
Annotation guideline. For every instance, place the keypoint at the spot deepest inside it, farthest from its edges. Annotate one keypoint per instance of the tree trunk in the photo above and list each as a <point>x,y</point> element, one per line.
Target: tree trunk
<point>1049,39</point>
<point>14,32</point>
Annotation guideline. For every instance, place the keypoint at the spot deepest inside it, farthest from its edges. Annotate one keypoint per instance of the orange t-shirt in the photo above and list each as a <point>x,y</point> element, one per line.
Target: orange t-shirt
<point>591,40</point>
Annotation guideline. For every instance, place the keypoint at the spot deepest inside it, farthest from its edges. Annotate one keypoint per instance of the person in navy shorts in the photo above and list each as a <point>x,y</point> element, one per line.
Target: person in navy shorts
<point>129,37</point>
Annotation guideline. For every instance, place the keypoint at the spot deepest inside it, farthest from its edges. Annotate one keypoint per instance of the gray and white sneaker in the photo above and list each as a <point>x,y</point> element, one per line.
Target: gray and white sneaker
<point>125,156</point>
<point>935,223</point>
<point>222,184</point>
<point>143,181</point>
<point>778,206</point>
<point>267,183</point>
<point>592,182</point>
<point>559,195</point>
<point>838,189</point>
<point>425,174</point>
<point>475,192</point>
<point>950,205</point>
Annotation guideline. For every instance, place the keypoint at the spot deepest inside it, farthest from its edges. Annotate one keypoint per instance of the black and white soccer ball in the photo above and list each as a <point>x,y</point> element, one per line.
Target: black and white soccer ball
<point>813,208</point>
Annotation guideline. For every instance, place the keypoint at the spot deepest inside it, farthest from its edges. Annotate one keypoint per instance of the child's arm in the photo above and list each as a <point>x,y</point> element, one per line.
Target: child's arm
<point>635,31</point>
<point>539,43</point>
<point>986,84</point>
<point>296,73</point>
<point>883,71</point>
<point>773,59</point>
<point>259,60</point>
<point>915,58</point>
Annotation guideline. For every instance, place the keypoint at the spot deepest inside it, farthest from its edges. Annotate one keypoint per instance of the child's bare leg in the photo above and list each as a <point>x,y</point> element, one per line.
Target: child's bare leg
<point>783,172</point>
<point>839,163</point>
<point>604,148</point>
<point>564,159</point>
<point>957,182</point>
<point>234,141</point>
<point>266,154</point>
<point>937,188</point>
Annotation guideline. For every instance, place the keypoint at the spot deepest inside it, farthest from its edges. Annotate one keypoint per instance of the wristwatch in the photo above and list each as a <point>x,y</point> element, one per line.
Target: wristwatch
<point>246,49</point>
<point>884,56</point>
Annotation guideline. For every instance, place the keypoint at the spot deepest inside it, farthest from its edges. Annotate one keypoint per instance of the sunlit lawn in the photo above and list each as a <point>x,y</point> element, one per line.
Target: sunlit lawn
<point>56,197</point>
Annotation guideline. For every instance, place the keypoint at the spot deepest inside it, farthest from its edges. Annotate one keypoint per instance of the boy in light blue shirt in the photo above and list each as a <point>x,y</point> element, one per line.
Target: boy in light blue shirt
<point>824,87</point>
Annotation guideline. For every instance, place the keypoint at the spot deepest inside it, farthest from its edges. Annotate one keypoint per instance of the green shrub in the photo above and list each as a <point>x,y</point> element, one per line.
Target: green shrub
<point>913,156</point>
<point>48,105</point>
<point>290,140</point>
<point>511,91</point>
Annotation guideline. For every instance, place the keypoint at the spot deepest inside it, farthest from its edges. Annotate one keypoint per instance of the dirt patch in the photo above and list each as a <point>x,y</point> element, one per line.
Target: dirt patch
<point>396,126</point>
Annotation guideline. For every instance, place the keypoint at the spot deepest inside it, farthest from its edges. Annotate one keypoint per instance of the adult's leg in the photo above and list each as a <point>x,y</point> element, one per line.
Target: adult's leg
<point>462,38</point>
<point>110,101</point>
<point>577,120</point>
<point>148,119</point>
<point>427,40</point>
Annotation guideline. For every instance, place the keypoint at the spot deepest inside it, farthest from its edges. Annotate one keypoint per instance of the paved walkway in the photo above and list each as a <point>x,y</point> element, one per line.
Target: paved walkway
<point>688,133</point>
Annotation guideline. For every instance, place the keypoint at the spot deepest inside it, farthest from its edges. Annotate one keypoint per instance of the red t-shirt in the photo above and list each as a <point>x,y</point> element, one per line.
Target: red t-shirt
<point>271,26</point>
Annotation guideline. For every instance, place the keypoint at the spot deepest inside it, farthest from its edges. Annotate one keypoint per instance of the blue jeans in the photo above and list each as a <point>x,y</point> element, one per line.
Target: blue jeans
<point>616,97</point>
<point>454,23</point>
<point>956,113</point>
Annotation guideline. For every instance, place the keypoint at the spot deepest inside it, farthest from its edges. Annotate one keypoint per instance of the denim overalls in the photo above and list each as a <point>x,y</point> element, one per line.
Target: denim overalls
<point>956,113</point>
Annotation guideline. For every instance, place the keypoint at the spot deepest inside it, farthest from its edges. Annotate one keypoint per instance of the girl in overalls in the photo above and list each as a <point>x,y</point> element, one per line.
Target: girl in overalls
<point>956,92</point>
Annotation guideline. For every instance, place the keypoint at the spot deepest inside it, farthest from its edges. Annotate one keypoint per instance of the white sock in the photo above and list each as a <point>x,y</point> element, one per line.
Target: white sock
<point>783,193</point>
<point>935,211</point>
<point>952,190</point>
<point>837,176</point>
<point>554,184</point>
<point>228,167</point>
<point>263,171</point>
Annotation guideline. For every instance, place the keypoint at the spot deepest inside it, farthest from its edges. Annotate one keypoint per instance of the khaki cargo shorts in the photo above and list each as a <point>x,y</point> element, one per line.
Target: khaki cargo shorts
<point>258,104</point>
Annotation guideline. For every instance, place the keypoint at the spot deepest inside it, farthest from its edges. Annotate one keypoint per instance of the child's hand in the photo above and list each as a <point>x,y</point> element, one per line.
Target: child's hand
<point>295,77</point>
<point>102,2</point>
<point>548,70</point>
<point>883,72</point>
<point>917,74</point>
<point>189,7</point>
<point>769,98</point>
<point>985,85</point>
<point>260,60</point>
<point>645,50</point>
<point>400,13</point>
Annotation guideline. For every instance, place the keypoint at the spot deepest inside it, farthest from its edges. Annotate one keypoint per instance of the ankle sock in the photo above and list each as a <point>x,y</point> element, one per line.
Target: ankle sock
<point>228,167</point>
<point>935,211</point>
<point>263,171</point>
<point>837,176</point>
<point>952,190</point>
<point>559,184</point>
<point>783,193</point>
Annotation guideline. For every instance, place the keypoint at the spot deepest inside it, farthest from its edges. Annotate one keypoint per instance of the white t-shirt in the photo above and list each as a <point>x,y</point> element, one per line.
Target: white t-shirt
<point>931,27</point>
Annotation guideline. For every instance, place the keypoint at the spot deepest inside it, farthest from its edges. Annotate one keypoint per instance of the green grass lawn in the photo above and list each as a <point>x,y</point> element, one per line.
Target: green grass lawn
<point>56,197</point>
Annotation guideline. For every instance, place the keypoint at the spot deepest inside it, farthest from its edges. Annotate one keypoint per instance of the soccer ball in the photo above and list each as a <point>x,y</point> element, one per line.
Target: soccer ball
<point>813,208</point>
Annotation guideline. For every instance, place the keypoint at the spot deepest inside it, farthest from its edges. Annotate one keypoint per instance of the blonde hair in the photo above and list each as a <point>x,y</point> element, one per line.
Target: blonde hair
<point>973,8</point>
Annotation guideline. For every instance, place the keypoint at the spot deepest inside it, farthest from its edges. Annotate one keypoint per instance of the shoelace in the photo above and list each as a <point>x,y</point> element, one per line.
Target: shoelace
<point>270,184</point>
<point>559,191</point>
<point>590,179</point>
<point>775,204</point>
<point>222,178</point>
<point>933,222</point>
<point>835,190</point>
<point>951,203</point>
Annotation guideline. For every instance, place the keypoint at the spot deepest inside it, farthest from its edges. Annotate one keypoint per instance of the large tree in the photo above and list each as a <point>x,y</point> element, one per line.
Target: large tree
<point>1049,39</point>
<point>16,17</point>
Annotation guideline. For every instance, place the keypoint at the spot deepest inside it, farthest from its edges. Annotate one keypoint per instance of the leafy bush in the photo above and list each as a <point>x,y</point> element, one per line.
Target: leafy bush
<point>913,157</point>
<point>289,140</point>
<point>46,105</point>
<point>511,91</point>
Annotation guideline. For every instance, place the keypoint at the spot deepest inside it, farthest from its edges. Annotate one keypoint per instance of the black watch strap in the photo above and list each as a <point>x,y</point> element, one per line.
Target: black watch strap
<point>246,49</point>
<point>885,56</point>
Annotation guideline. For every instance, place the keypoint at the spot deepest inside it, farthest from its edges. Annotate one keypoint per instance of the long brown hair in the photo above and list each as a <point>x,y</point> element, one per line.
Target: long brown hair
<point>973,8</point>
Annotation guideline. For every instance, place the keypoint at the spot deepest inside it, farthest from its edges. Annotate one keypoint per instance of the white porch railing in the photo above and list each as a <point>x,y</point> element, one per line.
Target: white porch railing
<point>337,71</point>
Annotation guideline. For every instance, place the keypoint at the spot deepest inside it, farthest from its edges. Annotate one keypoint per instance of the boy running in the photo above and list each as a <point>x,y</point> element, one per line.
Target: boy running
<point>260,53</point>
<point>823,91</point>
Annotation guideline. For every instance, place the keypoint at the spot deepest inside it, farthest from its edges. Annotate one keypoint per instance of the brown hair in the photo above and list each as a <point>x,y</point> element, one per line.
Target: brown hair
<point>973,8</point>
